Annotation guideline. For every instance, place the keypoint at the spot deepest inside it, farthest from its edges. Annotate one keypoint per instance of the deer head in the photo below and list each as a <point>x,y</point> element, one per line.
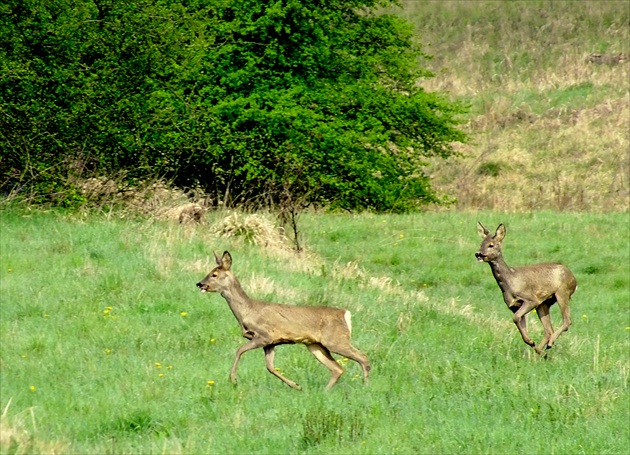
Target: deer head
<point>221,277</point>
<point>490,248</point>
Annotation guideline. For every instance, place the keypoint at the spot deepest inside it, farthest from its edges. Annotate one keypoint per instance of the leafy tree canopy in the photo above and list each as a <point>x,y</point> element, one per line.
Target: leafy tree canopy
<point>258,102</point>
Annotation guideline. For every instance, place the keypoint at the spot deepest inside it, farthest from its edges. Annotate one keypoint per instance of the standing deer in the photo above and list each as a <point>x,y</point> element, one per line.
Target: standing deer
<point>530,287</point>
<point>267,325</point>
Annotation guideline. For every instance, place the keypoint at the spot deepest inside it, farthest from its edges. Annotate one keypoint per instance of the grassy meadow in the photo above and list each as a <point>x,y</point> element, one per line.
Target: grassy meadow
<point>107,347</point>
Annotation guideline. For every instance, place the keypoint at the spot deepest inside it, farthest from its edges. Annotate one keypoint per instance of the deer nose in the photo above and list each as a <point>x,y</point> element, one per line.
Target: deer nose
<point>199,285</point>
<point>478,255</point>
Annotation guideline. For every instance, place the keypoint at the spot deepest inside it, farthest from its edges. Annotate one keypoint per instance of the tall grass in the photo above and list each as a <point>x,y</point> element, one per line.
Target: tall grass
<point>549,128</point>
<point>107,347</point>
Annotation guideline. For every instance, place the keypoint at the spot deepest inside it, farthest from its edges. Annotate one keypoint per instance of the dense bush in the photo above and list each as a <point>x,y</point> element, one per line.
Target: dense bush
<point>257,102</point>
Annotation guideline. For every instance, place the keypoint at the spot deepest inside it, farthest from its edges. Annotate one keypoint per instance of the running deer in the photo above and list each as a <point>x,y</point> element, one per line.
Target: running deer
<point>529,287</point>
<point>266,325</point>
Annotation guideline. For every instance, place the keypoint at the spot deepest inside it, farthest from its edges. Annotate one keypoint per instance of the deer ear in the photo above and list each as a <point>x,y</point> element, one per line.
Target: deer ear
<point>481,229</point>
<point>500,234</point>
<point>226,261</point>
<point>217,259</point>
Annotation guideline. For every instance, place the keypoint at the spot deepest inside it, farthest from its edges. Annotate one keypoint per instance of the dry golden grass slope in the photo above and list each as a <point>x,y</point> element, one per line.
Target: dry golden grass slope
<point>549,89</point>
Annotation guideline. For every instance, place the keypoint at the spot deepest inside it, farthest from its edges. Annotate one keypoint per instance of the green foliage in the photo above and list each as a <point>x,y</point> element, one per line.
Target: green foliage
<point>258,102</point>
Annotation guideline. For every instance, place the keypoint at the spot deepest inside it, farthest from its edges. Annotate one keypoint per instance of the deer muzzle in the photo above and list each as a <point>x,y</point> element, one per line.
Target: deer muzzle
<point>203,287</point>
<point>480,257</point>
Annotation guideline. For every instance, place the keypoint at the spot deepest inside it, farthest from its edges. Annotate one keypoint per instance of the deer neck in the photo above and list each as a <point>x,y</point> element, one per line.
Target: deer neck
<point>502,272</point>
<point>237,300</point>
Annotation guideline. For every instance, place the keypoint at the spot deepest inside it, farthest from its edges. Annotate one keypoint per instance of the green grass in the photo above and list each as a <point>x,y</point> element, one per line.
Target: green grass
<point>107,347</point>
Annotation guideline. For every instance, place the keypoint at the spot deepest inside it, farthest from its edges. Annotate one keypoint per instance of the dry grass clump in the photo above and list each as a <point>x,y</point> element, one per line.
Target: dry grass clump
<point>253,228</point>
<point>186,213</point>
<point>262,286</point>
<point>15,439</point>
<point>157,199</point>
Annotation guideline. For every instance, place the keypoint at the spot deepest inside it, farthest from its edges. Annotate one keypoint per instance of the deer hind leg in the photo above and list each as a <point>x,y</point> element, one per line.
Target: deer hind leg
<point>545,319</point>
<point>521,323</point>
<point>354,354</point>
<point>270,353</point>
<point>322,354</point>
<point>563,303</point>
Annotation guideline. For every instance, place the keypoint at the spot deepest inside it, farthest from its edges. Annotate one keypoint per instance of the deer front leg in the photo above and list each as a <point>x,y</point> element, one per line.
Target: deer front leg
<point>270,353</point>
<point>252,344</point>
<point>521,323</point>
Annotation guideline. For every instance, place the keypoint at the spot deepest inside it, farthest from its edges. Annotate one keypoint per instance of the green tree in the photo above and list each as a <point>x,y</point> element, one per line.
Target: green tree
<point>285,103</point>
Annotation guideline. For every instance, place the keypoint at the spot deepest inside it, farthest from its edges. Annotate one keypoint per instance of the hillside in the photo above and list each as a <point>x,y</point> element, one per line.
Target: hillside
<point>548,86</point>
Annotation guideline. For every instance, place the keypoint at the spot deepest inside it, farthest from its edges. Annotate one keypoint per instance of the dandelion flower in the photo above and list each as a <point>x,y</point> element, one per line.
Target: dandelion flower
<point>212,340</point>
<point>170,367</point>
<point>108,351</point>
<point>583,316</point>
<point>210,383</point>
<point>32,388</point>
<point>158,365</point>
<point>161,375</point>
<point>183,314</point>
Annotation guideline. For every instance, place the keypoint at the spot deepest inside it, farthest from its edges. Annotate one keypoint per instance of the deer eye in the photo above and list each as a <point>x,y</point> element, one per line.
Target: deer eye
<point>215,274</point>
<point>491,245</point>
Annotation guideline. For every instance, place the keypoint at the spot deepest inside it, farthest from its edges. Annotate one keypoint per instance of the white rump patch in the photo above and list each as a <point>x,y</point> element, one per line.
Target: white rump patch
<point>348,317</point>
